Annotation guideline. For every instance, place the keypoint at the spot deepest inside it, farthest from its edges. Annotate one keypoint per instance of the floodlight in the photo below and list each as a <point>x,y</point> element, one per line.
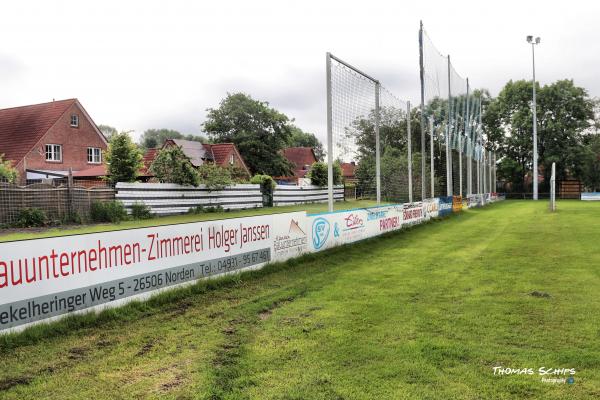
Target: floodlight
<point>529,39</point>
<point>537,40</point>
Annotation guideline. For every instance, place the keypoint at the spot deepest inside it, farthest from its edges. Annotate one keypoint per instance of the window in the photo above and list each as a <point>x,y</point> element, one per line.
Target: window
<point>75,121</point>
<point>94,155</point>
<point>53,152</point>
<point>231,159</point>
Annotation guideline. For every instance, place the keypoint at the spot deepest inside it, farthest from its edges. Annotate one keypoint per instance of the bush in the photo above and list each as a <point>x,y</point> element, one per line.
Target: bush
<point>318,174</point>
<point>7,172</point>
<point>140,210</point>
<point>30,217</point>
<point>108,211</point>
<point>215,177</point>
<point>196,210</point>
<point>71,218</point>
<point>173,166</point>
<point>123,158</point>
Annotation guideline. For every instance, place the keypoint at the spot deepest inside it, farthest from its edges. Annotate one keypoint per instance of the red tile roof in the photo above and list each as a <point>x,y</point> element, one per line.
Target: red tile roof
<point>220,151</point>
<point>301,158</point>
<point>22,127</point>
<point>348,170</point>
<point>149,157</point>
<point>97,171</point>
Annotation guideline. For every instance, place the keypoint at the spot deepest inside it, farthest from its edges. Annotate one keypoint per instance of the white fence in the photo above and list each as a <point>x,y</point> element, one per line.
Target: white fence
<point>288,195</point>
<point>169,198</point>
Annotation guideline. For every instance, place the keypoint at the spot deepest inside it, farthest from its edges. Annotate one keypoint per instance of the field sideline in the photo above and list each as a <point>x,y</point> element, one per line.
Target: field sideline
<point>421,313</point>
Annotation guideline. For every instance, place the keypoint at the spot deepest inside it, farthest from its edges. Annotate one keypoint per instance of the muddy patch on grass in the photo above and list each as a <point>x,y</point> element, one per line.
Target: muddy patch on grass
<point>535,293</point>
<point>180,309</point>
<point>78,353</point>
<point>146,348</point>
<point>9,383</point>
<point>264,314</point>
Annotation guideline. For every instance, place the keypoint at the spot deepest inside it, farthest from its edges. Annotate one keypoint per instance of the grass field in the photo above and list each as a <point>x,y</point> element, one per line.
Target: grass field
<point>424,313</point>
<point>19,234</point>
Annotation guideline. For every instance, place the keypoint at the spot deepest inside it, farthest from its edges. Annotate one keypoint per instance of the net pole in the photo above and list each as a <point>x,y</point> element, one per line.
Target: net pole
<point>377,144</point>
<point>490,170</point>
<point>423,122</point>
<point>495,177</point>
<point>469,155</point>
<point>479,153</point>
<point>409,145</point>
<point>431,162</point>
<point>329,135</point>
<point>448,150</point>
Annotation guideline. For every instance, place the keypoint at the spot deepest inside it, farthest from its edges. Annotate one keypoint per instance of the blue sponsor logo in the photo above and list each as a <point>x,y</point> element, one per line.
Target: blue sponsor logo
<point>320,232</point>
<point>445,206</point>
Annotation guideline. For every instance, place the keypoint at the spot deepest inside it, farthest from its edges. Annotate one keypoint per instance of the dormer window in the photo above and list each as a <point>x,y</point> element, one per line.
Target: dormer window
<point>74,121</point>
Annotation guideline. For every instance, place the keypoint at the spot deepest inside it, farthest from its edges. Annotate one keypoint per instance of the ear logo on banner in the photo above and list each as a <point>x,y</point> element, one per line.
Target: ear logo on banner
<point>336,230</point>
<point>320,232</point>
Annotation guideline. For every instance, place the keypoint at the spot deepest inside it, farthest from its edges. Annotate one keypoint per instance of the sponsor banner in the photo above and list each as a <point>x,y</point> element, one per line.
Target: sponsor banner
<point>456,203</point>
<point>337,228</point>
<point>445,206</point>
<point>431,208</point>
<point>474,200</point>
<point>46,278</point>
<point>412,213</point>
<point>290,239</point>
<point>486,198</point>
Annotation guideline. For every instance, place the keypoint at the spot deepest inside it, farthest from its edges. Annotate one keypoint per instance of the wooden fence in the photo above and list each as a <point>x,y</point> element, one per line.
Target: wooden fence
<point>57,203</point>
<point>287,195</point>
<point>169,198</point>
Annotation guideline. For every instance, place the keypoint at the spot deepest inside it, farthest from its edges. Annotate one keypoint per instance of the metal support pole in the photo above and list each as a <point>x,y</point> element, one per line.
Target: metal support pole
<point>423,122</point>
<point>448,149</point>
<point>377,144</point>
<point>329,136</point>
<point>469,145</point>
<point>409,145</point>
<point>535,150</point>
<point>495,177</point>
<point>490,172</point>
<point>431,159</point>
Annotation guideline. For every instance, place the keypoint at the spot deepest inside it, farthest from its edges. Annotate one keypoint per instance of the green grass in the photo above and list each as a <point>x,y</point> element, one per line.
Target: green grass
<point>8,235</point>
<point>420,314</point>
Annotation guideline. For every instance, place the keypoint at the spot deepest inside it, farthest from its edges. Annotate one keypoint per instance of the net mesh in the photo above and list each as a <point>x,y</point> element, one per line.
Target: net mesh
<point>354,117</point>
<point>451,111</point>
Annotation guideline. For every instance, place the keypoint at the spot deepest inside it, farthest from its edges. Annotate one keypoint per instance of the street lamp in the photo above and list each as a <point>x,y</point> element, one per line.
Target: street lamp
<point>535,152</point>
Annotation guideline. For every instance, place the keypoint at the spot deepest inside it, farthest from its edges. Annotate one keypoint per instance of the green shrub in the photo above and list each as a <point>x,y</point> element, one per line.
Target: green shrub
<point>72,218</point>
<point>108,211</point>
<point>29,217</point>
<point>318,174</point>
<point>140,210</point>
<point>196,210</point>
<point>215,177</point>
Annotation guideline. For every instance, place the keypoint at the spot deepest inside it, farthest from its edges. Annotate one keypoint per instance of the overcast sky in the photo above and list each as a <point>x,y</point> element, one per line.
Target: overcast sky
<point>159,64</point>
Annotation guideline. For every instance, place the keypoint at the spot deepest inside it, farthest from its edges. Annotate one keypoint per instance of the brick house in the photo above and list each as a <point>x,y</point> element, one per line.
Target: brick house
<point>44,141</point>
<point>301,158</point>
<point>221,154</point>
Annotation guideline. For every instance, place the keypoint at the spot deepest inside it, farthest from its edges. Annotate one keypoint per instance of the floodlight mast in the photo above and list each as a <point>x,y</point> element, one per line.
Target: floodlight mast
<point>533,42</point>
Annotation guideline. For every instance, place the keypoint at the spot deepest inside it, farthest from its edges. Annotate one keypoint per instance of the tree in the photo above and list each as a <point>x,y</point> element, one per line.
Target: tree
<point>123,158</point>
<point>258,131</point>
<point>153,138</point>
<point>591,165</point>
<point>300,138</point>
<point>318,174</point>
<point>7,172</point>
<point>171,165</point>
<point>107,130</point>
<point>564,113</point>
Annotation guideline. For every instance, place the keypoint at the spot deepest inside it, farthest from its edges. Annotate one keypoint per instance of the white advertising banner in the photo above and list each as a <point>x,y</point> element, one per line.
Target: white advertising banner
<point>43,279</point>
<point>46,278</point>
